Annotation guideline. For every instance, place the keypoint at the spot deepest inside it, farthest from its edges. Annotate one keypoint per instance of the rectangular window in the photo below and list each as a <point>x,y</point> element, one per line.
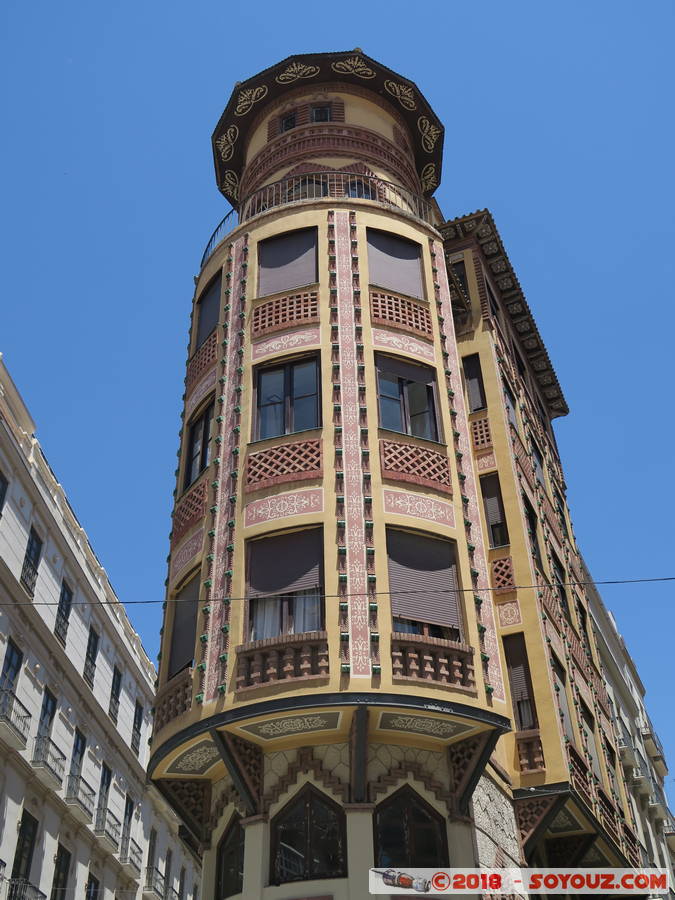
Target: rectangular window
<point>181,884</point>
<point>63,612</point>
<point>510,402</point>
<point>104,789</point>
<point>321,113</point>
<point>184,629</point>
<point>560,580</point>
<point>285,584</point>
<point>136,729</point>
<point>47,713</point>
<point>287,261</point>
<point>25,846</point>
<point>31,561</point>
<point>198,446</point>
<point>520,681</point>
<point>288,398</point>
<point>90,658</point>
<point>531,517</point>
<point>560,508</point>
<point>168,878</point>
<point>10,667</point>
<point>407,397</point>
<point>152,848</point>
<point>494,510</point>
<point>61,869</point>
<point>4,484</point>
<point>423,584</point>
<point>115,691</point>
<point>473,377</point>
<point>91,891</point>
<point>459,271</point>
<point>492,300</point>
<point>560,680</point>
<point>538,462</point>
<point>77,759</point>
<point>208,309</point>
<point>287,122</point>
<point>394,263</point>
<point>588,723</point>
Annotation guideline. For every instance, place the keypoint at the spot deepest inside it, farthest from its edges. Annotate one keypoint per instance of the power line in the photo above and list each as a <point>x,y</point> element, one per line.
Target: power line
<point>515,587</point>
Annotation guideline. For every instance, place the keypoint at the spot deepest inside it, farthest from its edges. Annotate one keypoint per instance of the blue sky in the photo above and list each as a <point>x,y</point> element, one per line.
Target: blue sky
<point>558,118</point>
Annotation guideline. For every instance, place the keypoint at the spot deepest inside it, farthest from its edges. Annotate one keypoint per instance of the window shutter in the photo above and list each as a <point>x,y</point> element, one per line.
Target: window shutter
<point>287,261</point>
<point>405,370</point>
<point>519,679</point>
<point>302,115</point>
<point>427,567</point>
<point>207,311</point>
<point>559,675</point>
<point>394,263</point>
<point>474,382</point>
<point>285,563</point>
<point>489,485</point>
<point>510,407</point>
<point>272,127</point>
<point>184,630</point>
<point>338,110</point>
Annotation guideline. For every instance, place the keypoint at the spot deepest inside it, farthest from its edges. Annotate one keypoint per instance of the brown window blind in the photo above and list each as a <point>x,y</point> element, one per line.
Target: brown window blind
<point>518,667</point>
<point>474,382</point>
<point>394,263</point>
<point>208,307</point>
<point>563,703</point>
<point>494,510</point>
<point>287,261</point>
<point>184,627</point>
<point>285,563</point>
<point>423,579</point>
<point>589,729</point>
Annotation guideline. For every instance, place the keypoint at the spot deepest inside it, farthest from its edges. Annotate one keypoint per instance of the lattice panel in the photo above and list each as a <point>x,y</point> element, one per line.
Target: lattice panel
<point>418,465</point>
<point>481,434</point>
<point>284,312</point>
<point>502,574</point>
<point>189,511</point>
<point>400,312</point>
<point>287,462</point>
<point>202,360</point>
<point>173,699</point>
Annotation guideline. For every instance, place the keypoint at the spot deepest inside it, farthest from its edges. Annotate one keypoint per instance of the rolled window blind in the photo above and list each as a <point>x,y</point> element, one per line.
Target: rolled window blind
<point>423,579</point>
<point>184,627</point>
<point>207,311</point>
<point>287,261</point>
<point>492,500</point>
<point>402,369</point>
<point>285,563</point>
<point>394,263</point>
<point>474,382</point>
<point>519,680</point>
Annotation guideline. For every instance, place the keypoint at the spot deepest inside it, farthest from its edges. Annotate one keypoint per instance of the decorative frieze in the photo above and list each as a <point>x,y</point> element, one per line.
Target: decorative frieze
<point>184,555</point>
<point>403,343</point>
<point>281,506</point>
<point>282,343</point>
<point>418,507</point>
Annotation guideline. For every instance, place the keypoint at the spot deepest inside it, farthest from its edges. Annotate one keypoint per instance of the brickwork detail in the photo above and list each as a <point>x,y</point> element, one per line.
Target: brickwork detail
<point>415,464</point>
<point>202,360</point>
<point>285,312</point>
<point>502,574</point>
<point>400,312</point>
<point>190,510</point>
<point>481,434</point>
<point>286,462</point>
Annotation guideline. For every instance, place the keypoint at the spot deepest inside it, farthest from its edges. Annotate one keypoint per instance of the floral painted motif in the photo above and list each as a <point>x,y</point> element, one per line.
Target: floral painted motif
<point>297,503</point>
<point>353,65</point>
<point>430,133</point>
<point>295,71</point>
<point>248,97</point>
<point>286,342</point>
<point>441,728</point>
<point>509,613</point>
<point>418,507</point>
<point>402,93</point>
<point>185,554</point>
<point>225,143</point>
<point>198,759</point>
<point>428,177</point>
<point>293,725</point>
<point>231,183</point>
<point>403,343</point>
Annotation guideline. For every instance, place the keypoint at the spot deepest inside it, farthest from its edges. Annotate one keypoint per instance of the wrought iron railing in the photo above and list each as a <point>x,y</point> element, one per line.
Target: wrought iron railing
<point>20,889</point>
<point>47,755</point>
<point>29,573</point>
<point>89,670</point>
<point>319,186</point>
<point>114,708</point>
<point>154,880</point>
<point>15,714</point>
<point>136,740</point>
<point>81,792</point>
<point>130,853</point>
<point>107,825</point>
<point>61,627</point>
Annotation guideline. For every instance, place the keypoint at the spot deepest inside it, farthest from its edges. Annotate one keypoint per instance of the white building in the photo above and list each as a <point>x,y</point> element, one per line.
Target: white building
<point>641,753</point>
<point>77,816</point>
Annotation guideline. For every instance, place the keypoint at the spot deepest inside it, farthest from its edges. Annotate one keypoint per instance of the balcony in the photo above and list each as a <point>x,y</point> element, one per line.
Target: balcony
<point>631,846</point>
<point>287,657</point>
<point>654,748</point>
<point>89,671</point>
<point>608,816</point>
<point>136,740</point>
<point>20,889</point>
<point>669,831</point>
<point>171,894</point>
<point>49,762</point>
<point>322,186</point>
<point>61,627</point>
<point>80,797</point>
<point>530,751</point>
<point>29,575</point>
<point>14,721</point>
<point>114,708</point>
<point>657,801</point>
<point>415,657</point>
<point>108,828</point>
<point>173,699</point>
<point>580,776</point>
<point>153,886</point>
<point>131,856</point>
<point>626,746</point>
<point>642,781</point>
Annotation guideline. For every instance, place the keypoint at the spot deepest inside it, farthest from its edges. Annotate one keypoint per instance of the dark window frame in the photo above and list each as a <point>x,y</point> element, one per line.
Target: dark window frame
<point>202,422</point>
<point>405,797</point>
<point>288,121</point>
<point>63,612</point>
<point>433,406</point>
<point>62,863</point>
<point>287,366</point>
<point>233,839</point>
<point>204,294</point>
<point>4,487</point>
<point>115,693</point>
<point>91,656</point>
<point>266,253</point>
<point>11,666</point>
<point>498,532</point>
<point>467,361</point>
<point>320,106</point>
<point>305,796</point>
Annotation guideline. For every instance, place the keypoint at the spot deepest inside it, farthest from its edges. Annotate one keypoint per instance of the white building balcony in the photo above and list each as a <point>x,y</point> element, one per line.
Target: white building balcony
<point>107,828</point>
<point>49,762</point>
<point>80,797</point>
<point>131,856</point>
<point>14,721</point>
<point>153,886</point>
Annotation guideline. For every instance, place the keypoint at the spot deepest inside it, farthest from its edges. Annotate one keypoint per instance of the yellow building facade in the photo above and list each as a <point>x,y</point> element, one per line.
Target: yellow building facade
<point>373,651</point>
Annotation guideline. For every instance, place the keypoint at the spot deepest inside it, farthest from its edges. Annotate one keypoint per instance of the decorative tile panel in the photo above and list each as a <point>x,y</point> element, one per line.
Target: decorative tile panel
<point>416,464</point>
<point>284,312</point>
<point>502,574</point>
<point>486,461</point>
<point>403,343</point>
<point>204,358</point>
<point>434,727</point>
<point>419,507</point>
<point>294,340</point>
<point>201,390</point>
<point>480,433</point>
<point>285,462</point>
<point>189,510</point>
<point>183,555</point>
<point>400,312</point>
<point>509,613</point>
<point>290,725</point>
<point>280,506</point>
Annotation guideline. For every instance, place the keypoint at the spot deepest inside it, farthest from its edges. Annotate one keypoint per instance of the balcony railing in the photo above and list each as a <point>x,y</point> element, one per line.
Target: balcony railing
<point>319,186</point>
<point>436,660</point>
<point>130,853</point>
<point>80,792</point>
<point>288,656</point>
<point>48,756</point>
<point>107,825</point>
<point>173,699</point>
<point>89,670</point>
<point>580,776</point>
<point>14,714</point>
<point>20,889</point>
<point>154,881</point>
<point>61,627</point>
<point>136,740</point>
<point>29,575</point>
<point>171,894</point>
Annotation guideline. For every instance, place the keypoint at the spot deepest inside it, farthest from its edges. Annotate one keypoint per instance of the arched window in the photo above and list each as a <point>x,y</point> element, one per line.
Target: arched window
<point>308,839</point>
<point>230,863</point>
<point>409,832</point>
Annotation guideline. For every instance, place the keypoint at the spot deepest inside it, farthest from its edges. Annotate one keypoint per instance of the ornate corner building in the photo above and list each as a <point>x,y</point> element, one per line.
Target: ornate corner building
<point>376,646</point>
